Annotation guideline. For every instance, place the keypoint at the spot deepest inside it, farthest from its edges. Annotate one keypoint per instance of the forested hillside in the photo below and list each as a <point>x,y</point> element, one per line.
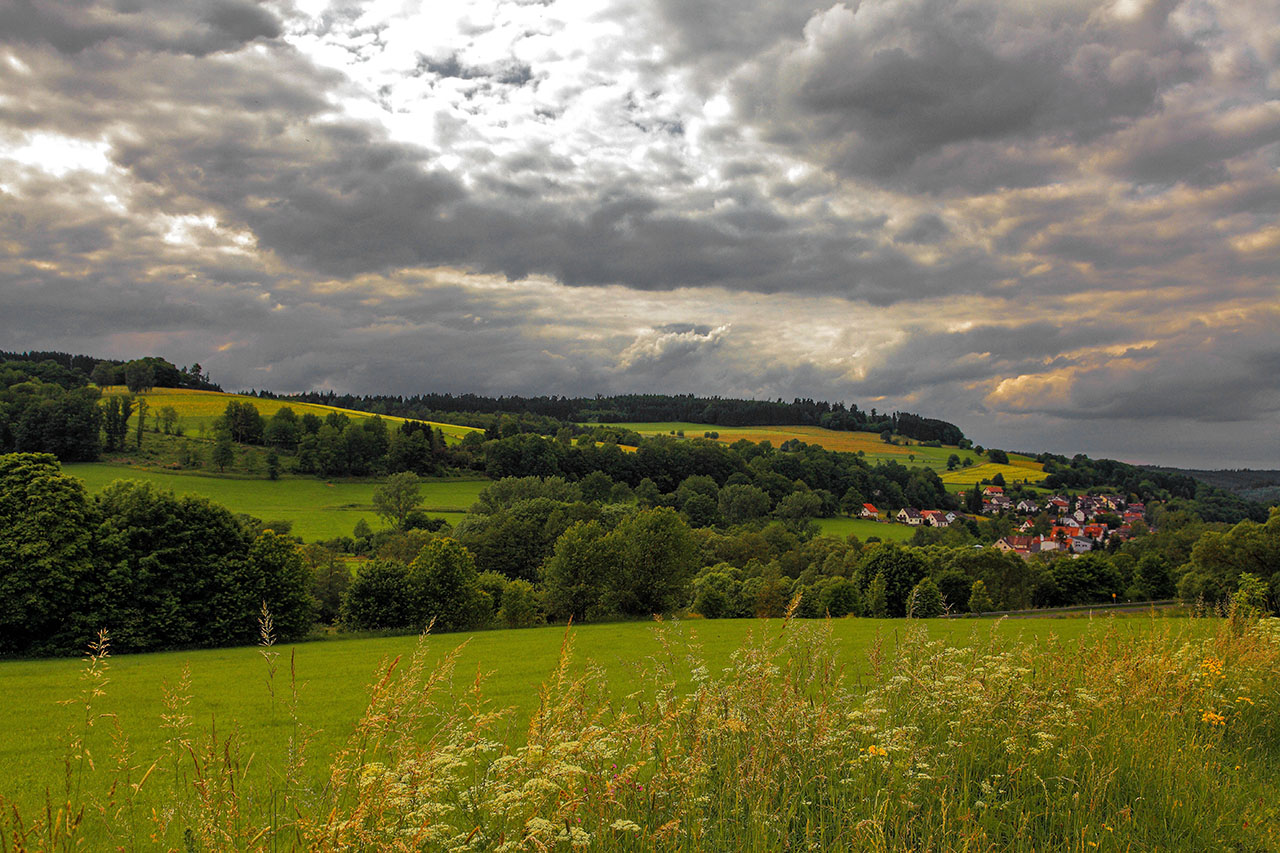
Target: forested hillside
<point>649,408</point>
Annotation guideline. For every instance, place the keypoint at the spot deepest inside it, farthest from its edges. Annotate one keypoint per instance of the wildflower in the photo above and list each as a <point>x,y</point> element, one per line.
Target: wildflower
<point>1213,719</point>
<point>877,750</point>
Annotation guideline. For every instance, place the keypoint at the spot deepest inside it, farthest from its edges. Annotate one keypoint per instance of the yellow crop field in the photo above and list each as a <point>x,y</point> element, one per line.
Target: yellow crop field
<point>874,450</point>
<point>197,410</point>
<point>966,477</point>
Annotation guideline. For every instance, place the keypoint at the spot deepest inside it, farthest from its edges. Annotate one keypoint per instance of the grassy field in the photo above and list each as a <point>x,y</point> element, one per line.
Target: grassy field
<point>230,686</point>
<point>197,410</point>
<point>873,449</point>
<point>1111,734</point>
<point>864,529</point>
<point>319,509</point>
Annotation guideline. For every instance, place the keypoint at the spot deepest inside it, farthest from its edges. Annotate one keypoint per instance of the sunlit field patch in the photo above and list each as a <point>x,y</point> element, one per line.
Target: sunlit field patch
<point>197,410</point>
<point>869,444</point>
<point>964,478</point>
<point>865,529</point>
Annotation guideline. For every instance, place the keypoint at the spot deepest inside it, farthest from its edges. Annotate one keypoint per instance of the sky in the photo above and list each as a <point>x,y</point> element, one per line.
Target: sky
<point>1056,224</point>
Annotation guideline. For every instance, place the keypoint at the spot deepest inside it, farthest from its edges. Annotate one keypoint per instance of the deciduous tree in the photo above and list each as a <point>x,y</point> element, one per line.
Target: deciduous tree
<point>400,495</point>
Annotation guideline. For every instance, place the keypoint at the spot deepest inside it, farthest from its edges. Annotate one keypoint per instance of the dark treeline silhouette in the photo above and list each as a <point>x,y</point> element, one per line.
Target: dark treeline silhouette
<point>111,371</point>
<point>648,408</point>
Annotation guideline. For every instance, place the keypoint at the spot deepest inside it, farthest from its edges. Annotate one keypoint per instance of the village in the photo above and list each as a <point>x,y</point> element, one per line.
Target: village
<point>1074,524</point>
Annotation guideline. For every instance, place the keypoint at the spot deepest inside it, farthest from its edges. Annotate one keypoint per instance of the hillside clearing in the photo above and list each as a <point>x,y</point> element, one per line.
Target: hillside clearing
<point>318,509</point>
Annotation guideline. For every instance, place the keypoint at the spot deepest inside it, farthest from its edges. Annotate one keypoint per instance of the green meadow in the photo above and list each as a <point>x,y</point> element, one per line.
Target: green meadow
<point>232,688</point>
<point>865,529</point>
<point>1111,734</point>
<point>318,509</point>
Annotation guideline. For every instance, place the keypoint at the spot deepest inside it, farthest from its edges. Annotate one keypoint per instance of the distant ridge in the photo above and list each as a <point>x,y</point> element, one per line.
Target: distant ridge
<point>1255,484</point>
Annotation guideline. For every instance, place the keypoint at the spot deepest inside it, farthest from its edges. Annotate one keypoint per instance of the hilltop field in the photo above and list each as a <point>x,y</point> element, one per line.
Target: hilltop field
<point>913,454</point>
<point>197,410</point>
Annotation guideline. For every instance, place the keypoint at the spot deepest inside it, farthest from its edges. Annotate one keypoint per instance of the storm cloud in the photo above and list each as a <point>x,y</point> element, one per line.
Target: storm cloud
<point>1032,220</point>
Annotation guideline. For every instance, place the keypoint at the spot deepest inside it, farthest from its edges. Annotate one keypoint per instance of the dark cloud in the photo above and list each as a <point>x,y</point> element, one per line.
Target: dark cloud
<point>1202,373</point>
<point>927,361</point>
<point>924,229</point>
<point>1194,149</point>
<point>192,28</point>
<point>874,91</point>
<point>510,73</point>
<point>722,33</point>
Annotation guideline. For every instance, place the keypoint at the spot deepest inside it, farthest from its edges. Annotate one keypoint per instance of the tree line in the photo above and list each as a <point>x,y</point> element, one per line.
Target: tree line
<point>595,550</point>
<point>139,374</point>
<point>646,408</point>
<point>160,571</point>
<point>157,571</point>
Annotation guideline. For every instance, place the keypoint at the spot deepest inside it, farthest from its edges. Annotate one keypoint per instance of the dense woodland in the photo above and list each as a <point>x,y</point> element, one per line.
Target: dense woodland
<point>573,527</point>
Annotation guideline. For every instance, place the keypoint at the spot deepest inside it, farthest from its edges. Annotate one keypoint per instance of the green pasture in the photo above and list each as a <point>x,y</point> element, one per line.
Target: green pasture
<point>865,528</point>
<point>230,689</point>
<point>319,509</point>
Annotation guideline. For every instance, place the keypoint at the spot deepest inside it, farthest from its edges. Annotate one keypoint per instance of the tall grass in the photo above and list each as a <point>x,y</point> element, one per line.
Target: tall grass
<point>1161,740</point>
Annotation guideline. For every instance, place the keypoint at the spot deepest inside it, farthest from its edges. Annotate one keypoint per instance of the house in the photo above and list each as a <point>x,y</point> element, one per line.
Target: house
<point>1023,546</point>
<point>1059,503</point>
<point>1006,544</point>
<point>1027,524</point>
<point>1096,532</point>
<point>988,491</point>
<point>937,517</point>
<point>1029,507</point>
<point>1081,545</point>
<point>868,511</point>
<point>907,515</point>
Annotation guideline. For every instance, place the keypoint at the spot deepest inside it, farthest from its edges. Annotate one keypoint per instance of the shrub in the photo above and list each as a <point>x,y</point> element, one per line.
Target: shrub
<point>520,605</point>
<point>924,601</point>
